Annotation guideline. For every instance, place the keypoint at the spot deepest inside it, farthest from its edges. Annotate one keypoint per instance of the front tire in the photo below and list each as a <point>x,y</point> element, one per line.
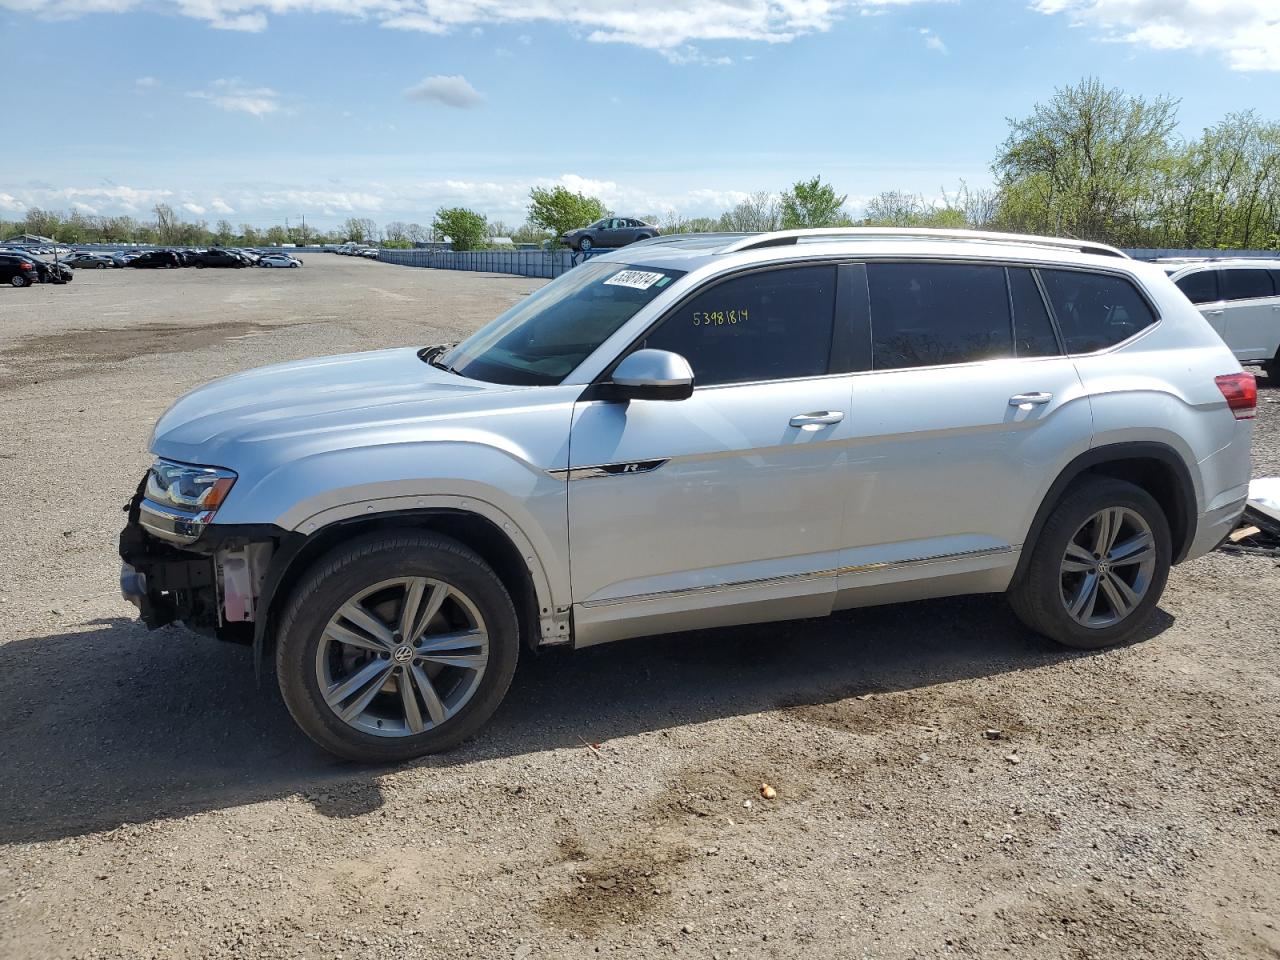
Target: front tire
<point>1098,568</point>
<point>584,245</point>
<point>395,646</point>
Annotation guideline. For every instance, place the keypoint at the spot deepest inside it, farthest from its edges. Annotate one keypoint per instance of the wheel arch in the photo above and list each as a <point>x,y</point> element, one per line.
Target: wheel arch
<point>1155,467</point>
<point>541,623</point>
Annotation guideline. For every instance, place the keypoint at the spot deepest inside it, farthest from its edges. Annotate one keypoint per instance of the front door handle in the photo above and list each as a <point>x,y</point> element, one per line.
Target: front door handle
<point>1030,399</point>
<point>1214,313</point>
<point>816,419</point>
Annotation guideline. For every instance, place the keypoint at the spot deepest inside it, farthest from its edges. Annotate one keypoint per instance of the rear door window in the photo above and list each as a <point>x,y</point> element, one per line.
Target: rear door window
<point>929,314</point>
<point>1095,310</point>
<point>767,325</point>
<point>1200,287</point>
<point>1246,284</point>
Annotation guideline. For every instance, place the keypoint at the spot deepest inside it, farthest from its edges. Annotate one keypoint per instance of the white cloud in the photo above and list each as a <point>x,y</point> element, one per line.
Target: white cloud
<point>410,200</point>
<point>1245,32</point>
<point>84,208</point>
<point>932,40</point>
<point>663,25</point>
<point>146,83</point>
<point>235,96</point>
<point>452,91</point>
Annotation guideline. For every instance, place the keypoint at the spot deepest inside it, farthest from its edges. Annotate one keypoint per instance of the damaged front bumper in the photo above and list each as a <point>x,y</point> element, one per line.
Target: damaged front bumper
<point>181,568</point>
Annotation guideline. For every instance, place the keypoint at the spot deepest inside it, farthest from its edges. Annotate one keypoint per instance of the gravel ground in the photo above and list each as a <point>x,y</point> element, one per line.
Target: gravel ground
<point>155,803</point>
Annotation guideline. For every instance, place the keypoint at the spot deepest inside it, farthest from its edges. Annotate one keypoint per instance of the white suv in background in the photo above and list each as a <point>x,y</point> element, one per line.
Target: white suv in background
<point>1240,298</point>
<point>697,431</point>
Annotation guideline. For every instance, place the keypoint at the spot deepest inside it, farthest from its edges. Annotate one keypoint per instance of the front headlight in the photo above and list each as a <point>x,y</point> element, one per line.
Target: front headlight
<point>188,488</point>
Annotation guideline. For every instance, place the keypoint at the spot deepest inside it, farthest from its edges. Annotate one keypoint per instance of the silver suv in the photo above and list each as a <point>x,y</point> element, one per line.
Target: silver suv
<point>1240,298</point>
<point>694,432</point>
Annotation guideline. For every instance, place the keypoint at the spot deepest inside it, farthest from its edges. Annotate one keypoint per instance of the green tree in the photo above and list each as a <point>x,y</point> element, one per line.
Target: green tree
<point>224,233</point>
<point>560,210</point>
<point>1087,164</point>
<point>759,213</point>
<point>464,227</point>
<point>812,203</point>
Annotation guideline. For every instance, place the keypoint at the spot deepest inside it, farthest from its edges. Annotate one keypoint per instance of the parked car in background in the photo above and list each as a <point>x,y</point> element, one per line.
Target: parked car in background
<point>699,433</point>
<point>124,258</point>
<point>610,232</point>
<point>94,261</point>
<point>156,259</point>
<point>221,258</point>
<point>279,260</point>
<point>17,269</point>
<point>369,253</point>
<point>53,271</point>
<point>1240,297</point>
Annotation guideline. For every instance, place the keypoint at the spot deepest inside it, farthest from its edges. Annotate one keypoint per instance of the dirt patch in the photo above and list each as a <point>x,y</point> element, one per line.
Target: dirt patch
<point>928,710</point>
<point>62,356</point>
<point>619,888</point>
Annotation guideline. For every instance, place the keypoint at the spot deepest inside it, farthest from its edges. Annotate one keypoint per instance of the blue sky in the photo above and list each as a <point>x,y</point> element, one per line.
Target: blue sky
<point>258,110</point>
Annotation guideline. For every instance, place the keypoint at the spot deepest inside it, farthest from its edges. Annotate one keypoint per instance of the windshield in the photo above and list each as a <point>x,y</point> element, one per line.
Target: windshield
<point>541,339</point>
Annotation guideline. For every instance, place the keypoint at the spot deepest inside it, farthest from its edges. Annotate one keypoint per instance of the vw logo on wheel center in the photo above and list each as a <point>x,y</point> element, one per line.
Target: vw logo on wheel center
<point>403,653</point>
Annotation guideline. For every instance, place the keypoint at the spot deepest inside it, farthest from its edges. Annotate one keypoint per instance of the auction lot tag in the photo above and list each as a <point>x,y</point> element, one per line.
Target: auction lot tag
<point>638,279</point>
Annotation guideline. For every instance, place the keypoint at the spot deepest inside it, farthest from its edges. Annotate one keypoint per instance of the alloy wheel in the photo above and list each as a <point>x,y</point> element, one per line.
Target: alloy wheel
<point>402,656</point>
<point>1107,567</point>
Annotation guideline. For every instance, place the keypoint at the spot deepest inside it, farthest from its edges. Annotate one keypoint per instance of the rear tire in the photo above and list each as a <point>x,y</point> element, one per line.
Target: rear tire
<point>1112,586</point>
<point>374,574</point>
<point>18,280</point>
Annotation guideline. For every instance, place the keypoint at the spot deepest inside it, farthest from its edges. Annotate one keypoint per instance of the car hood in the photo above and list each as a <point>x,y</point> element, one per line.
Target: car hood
<point>325,402</point>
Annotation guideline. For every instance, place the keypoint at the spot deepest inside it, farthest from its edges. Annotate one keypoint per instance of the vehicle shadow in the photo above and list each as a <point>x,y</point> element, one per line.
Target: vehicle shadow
<point>113,724</point>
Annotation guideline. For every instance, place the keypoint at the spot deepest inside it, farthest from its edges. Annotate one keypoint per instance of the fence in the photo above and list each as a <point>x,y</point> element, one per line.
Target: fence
<point>551,263</point>
<point>522,263</point>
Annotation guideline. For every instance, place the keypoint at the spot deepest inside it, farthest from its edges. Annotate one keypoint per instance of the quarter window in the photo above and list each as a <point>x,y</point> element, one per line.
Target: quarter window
<point>770,325</point>
<point>926,314</point>
<point>1094,310</point>
<point>1200,287</point>
<point>1246,284</point>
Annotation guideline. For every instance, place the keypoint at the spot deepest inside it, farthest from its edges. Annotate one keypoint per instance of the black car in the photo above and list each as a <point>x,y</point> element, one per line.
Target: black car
<point>18,270</point>
<point>156,259</point>
<point>50,271</point>
<point>221,258</point>
<point>610,232</point>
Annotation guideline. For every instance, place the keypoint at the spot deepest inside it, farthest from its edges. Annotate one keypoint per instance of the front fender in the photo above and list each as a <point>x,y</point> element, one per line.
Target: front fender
<point>523,500</point>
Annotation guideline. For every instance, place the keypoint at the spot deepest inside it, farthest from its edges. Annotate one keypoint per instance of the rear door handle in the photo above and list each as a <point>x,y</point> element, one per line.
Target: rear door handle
<point>1215,313</point>
<point>816,419</point>
<point>1030,399</point>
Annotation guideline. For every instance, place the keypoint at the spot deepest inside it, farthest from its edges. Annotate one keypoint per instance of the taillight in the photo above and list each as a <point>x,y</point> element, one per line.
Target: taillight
<point>1241,391</point>
<point>27,266</point>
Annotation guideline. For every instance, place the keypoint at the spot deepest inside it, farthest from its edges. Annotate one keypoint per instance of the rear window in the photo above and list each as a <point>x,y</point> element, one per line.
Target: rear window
<point>1200,287</point>
<point>1095,310</point>
<point>928,314</point>
<point>1246,284</point>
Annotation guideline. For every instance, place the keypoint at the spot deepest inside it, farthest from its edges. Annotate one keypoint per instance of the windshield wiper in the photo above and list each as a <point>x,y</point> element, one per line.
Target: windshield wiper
<point>432,356</point>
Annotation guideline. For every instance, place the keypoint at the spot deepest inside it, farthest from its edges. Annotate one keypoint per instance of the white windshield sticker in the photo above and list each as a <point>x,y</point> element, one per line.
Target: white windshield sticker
<point>639,279</point>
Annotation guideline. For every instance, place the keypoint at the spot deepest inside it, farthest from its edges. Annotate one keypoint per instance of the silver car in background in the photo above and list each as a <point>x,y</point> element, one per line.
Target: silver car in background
<point>1240,297</point>
<point>697,431</point>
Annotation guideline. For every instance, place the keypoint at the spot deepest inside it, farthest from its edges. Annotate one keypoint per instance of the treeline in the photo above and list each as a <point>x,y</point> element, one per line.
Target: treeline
<point>1092,162</point>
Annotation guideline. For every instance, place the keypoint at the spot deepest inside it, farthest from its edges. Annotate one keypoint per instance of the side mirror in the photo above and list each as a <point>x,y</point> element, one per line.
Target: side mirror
<point>653,375</point>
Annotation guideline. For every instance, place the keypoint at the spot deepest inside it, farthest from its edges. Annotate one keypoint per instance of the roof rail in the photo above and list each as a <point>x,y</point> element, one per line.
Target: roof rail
<point>780,238</point>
